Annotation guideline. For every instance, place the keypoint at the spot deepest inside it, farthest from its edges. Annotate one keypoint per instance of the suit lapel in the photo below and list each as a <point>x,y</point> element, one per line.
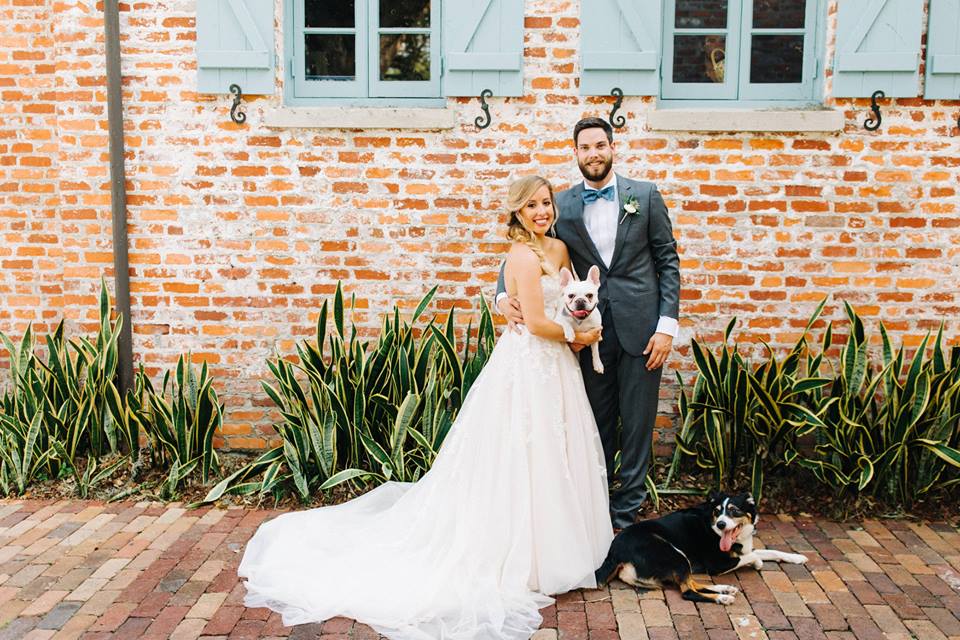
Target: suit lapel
<point>624,191</point>
<point>576,208</point>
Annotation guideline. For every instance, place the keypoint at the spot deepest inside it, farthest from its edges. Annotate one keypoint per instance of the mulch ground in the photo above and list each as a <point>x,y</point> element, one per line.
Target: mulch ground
<point>796,492</point>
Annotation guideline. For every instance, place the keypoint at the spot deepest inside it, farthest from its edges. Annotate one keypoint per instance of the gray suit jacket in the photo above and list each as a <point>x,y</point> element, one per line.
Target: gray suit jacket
<point>642,281</point>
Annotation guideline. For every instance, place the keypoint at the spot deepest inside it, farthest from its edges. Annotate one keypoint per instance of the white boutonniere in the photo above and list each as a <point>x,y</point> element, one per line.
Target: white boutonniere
<point>630,208</point>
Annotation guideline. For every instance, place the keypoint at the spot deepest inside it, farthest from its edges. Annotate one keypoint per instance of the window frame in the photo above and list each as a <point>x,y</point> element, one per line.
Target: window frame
<point>670,90</point>
<point>332,89</point>
<point>737,90</point>
<point>378,88</point>
<point>366,89</point>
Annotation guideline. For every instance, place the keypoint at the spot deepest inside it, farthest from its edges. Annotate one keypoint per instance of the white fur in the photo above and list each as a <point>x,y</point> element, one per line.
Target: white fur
<point>756,557</point>
<point>745,539</point>
<point>749,555</point>
<point>580,288</point>
<point>725,588</point>
<point>780,556</point>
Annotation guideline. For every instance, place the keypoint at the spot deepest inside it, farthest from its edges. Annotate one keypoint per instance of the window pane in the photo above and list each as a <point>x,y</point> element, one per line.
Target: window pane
<point>328,13</point>
<point>779,14</point>
<point>404,57</point>
<point>698,59</point>
<point>776,59</point>
<point>330,57</point>
<point>701,14</point>
<point>404,13</point>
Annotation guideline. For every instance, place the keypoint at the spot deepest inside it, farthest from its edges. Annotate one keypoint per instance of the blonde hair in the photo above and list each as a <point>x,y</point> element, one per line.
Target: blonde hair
<point>518,195</point>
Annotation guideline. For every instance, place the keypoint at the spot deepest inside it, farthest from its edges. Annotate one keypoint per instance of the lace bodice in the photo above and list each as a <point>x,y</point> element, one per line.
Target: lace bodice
<point>550,284</point>
<point>541,354</point>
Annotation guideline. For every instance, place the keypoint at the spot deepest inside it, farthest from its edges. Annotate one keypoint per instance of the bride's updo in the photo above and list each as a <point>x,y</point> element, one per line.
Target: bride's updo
<point>518,195</point>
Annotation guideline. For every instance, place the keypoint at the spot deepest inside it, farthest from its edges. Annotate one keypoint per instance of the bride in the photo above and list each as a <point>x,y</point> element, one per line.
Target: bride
<point>514,507</point>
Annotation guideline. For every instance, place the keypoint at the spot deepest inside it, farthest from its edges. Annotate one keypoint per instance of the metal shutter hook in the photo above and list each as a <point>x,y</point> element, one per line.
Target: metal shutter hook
<point>483,121</point>
<point>615,120</point>
<point>873,123</point>
<point>239,117</point>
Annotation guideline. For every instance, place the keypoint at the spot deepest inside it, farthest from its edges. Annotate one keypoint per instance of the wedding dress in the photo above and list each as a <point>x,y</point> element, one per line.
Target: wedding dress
<point>514,507</point>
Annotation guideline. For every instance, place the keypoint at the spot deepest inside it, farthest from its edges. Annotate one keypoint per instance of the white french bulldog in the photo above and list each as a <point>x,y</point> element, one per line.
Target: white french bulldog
<point>578,311</point>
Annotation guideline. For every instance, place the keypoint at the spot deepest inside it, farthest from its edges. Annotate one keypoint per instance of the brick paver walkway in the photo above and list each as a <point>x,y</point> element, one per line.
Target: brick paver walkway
<point>78,569</point>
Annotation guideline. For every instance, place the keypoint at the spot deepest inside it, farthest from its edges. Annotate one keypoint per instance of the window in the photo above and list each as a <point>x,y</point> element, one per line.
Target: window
<point>365,49</point>
<point>739,49</point>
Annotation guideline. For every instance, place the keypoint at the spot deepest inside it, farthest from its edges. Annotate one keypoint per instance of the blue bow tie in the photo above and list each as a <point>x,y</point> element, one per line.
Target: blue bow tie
<point>590,195</point>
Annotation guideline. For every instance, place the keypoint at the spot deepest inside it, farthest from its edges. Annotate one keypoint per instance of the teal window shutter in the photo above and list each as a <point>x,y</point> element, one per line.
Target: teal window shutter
<point>620,47</point>
<point>878,48</point>
<point>482,47</point>
<point>235,46</point>
<point>943,51</point>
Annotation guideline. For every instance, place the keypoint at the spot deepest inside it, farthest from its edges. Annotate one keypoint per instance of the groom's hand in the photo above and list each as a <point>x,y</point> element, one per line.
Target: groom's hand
<point>509,308</point>
<point>657,350</point>
<point>576,347</point>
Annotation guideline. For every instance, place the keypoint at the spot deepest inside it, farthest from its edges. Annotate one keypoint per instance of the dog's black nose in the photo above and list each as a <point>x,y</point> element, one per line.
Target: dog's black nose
<point>721,525</point>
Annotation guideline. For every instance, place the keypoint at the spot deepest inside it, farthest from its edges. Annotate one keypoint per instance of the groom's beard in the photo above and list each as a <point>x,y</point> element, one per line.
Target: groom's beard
<point>596,173</point>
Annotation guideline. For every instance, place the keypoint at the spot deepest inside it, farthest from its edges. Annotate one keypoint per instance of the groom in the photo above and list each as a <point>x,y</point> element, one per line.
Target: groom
<point>622,226</point>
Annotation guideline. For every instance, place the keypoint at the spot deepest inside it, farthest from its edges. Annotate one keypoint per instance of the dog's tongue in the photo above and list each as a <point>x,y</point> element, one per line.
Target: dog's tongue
<point>581,314</point>
<point>728,538</point>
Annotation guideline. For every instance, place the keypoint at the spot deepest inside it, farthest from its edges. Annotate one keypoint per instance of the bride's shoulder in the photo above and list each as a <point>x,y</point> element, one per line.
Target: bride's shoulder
<point>556,247</point>
<point>554,244</point>
<point>522,255</point>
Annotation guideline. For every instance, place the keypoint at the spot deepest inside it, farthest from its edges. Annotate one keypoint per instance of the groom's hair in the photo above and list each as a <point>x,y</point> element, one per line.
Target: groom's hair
<point>592,123</point>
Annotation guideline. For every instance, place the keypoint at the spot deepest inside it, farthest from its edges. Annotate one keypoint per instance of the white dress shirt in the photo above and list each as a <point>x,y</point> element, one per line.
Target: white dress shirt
<point>602,218</point>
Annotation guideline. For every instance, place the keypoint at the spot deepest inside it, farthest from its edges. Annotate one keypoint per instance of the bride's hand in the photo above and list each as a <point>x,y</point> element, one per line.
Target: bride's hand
<point>587,338</point>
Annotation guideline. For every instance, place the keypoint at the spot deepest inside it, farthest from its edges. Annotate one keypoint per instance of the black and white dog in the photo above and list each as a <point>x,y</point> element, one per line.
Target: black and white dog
<point>667,550</point>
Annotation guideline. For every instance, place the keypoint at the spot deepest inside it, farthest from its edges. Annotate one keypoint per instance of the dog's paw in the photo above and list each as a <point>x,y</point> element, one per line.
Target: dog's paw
<point>725,598</point>
<point>796,558</point>
<point>758,564</point>
<point>598,367</point>
<point>726,588</point>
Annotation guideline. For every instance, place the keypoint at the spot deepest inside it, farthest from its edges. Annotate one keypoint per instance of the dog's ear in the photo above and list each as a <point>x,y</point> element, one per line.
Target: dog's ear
<point>594,275</point>
<point>714,496</point>
<point>750,505</point>
<point>565,277</point>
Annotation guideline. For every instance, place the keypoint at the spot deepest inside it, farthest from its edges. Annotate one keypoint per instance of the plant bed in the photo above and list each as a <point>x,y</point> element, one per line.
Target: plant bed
<point>799,494</point>
<point>122,485</point>
<point>853,427</point>
<point>839,436</point>
<point>795,494</point>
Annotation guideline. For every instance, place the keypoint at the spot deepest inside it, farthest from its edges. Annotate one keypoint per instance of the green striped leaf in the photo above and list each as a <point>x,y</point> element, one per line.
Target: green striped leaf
<point>948,454</point>
<point>344,476</point>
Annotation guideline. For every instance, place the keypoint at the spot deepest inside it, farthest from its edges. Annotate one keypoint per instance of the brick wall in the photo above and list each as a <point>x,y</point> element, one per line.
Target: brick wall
<point>238,233</point>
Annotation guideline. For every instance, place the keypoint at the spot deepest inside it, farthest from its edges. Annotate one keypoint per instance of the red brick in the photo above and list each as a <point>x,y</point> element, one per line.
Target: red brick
<point>278,214</point>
